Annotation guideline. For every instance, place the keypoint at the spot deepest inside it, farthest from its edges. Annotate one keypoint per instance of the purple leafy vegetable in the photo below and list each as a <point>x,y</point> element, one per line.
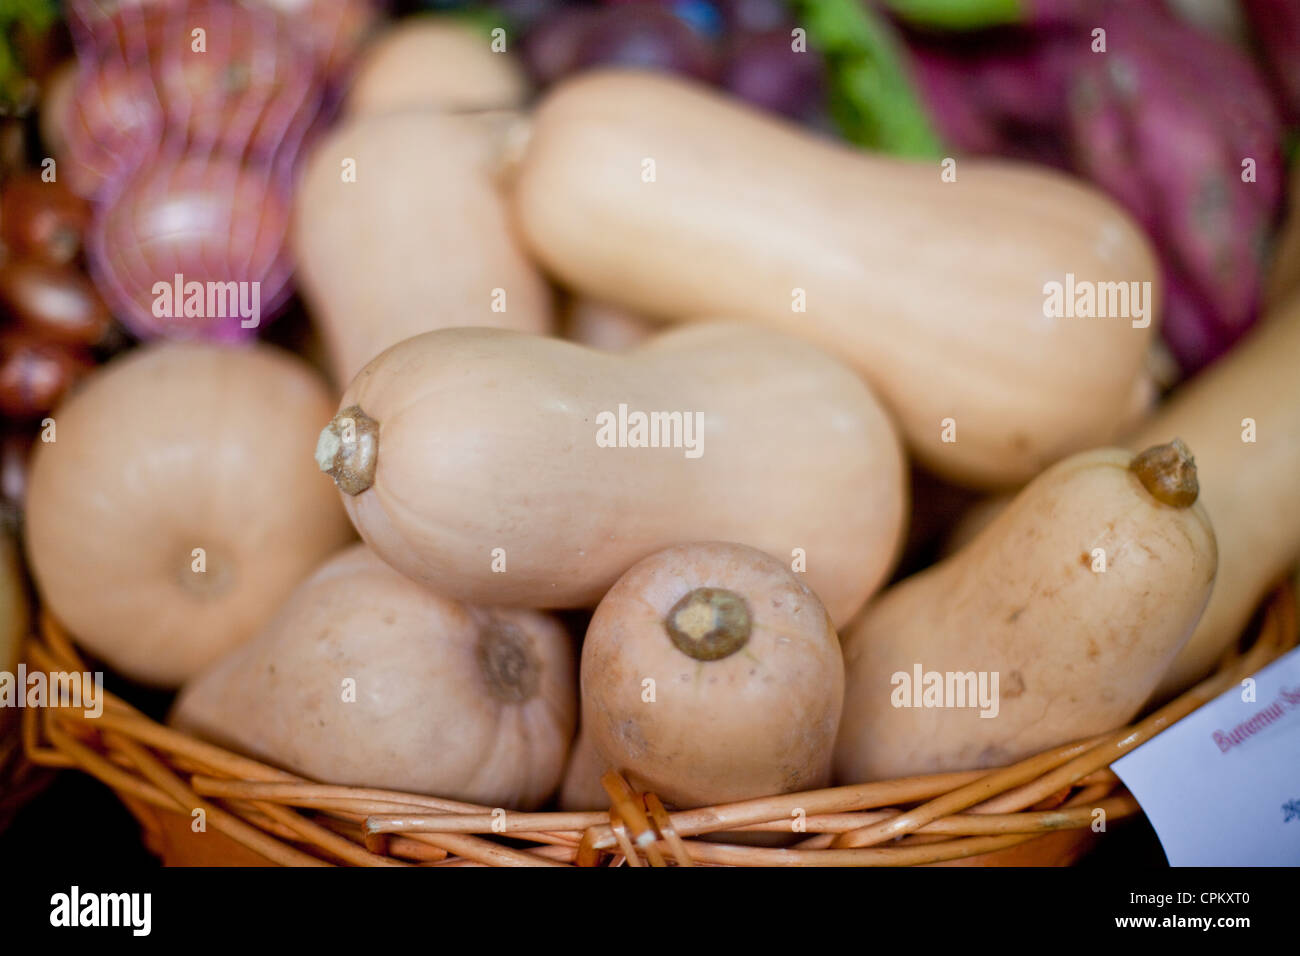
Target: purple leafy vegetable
<point>1172,122</point>
<point>1276,26</point>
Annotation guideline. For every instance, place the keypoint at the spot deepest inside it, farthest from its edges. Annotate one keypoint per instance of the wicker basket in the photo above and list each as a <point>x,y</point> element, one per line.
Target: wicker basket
<point>1036,812</point>
<point>20,780</point>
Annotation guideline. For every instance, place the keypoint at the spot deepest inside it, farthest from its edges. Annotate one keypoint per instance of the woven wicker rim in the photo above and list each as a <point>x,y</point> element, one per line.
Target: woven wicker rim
<point>906,822</point>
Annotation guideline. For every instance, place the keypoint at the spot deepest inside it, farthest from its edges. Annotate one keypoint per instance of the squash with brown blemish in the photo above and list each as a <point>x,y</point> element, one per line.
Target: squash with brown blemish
<point>464,702</point>
<point>1076,650</point>
<point>710,673</point>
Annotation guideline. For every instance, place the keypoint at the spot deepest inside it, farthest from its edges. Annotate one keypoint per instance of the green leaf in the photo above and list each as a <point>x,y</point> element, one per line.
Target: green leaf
<point>482,19</point>
<point>33,16</point>
<point>959,14</point>
<point>872,97</point>
<point>37,15</point>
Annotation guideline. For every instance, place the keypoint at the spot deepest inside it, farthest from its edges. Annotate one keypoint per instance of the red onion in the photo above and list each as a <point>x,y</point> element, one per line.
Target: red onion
<point>250,88</point>
<point>243,93</point>
<point>192,153</point>
<point>332,29</point>
<point>115,115</point>
<point>207,219</point>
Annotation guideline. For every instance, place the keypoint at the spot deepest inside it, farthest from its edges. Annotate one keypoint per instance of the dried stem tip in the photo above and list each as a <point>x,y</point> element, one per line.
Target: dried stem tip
<point>1168,472</point>
<point>347,450</point>
<point>709,623</point>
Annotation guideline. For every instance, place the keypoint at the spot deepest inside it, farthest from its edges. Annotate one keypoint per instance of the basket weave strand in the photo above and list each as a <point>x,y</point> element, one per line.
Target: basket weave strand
<point>272,816</point>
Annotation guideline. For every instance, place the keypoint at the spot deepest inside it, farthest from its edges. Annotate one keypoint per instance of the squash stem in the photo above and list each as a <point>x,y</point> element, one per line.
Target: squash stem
<point>709,624</point>
<point>348,448</point>
<point>1168,472</point>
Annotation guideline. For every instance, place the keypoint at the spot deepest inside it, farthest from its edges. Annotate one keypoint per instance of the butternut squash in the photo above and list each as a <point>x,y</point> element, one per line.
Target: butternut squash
<point>417,240</point>
<point>710,674</point>
<point>364,678</point>
<point>167,513</point>
<point>509,469</point>
<point>1054,624</point>
<point>434,63</point>
<point>605,327</point>
<point>977,516</point>
<point>1242,415</point>
<point>661,196</point>
<point>581,788</point>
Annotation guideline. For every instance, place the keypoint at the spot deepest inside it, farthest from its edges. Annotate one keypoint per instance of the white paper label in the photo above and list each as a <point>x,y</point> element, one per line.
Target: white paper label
<point>1222,786</point>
